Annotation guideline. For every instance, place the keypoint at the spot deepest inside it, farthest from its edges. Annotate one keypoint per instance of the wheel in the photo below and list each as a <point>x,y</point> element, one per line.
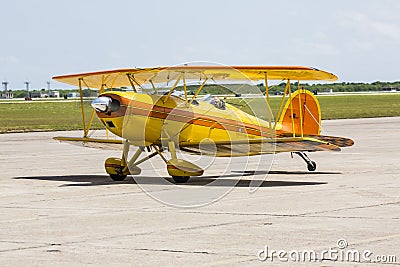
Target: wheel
<point>117,177</point>
<point>180,179</point>
<point>311,166</point>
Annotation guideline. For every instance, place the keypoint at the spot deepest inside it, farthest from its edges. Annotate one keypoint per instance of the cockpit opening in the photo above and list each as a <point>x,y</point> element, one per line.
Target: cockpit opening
<point>218,103</point>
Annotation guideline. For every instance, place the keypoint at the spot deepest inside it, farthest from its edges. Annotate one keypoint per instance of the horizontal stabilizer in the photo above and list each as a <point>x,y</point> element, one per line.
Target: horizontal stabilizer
<point>337,141</point>
<point>257,146</point>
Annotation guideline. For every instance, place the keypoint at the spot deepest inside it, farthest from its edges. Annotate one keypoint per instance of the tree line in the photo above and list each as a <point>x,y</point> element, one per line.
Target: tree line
<point>248,89</point>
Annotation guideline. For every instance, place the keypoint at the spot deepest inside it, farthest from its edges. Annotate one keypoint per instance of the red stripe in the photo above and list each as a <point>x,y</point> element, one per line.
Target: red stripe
<point>133,107</point>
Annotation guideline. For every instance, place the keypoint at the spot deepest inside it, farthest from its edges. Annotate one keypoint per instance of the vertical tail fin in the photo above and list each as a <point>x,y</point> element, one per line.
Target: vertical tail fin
<point>304,108</point>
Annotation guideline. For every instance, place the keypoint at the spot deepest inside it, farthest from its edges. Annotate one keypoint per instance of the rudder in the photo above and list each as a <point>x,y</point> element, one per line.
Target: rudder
<point>306,114</point>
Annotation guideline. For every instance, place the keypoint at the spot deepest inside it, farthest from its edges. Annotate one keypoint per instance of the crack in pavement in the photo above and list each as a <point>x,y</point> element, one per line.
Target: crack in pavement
<point>30,247</point>
<point>173,250</point>
<point>352,208</point>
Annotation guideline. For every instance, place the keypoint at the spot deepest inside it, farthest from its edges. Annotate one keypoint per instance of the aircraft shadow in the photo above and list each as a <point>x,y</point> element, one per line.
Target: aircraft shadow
<point>283,172</point>
<point>227,180</point>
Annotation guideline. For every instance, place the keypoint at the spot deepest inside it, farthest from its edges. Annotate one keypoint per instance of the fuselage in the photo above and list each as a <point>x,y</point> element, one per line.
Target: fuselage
<point>146,119</point>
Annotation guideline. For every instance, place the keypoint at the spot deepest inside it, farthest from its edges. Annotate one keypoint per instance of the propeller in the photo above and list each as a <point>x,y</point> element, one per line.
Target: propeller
<point>105,104</point>
<point>102,104</point>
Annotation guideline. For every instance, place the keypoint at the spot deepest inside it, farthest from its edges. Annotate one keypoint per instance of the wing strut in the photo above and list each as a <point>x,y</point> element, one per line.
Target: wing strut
<point>300,109</point>
<point>278,114</point>
<point>86,128</point>
<point>173,87</point>
<point>291,108</point>
<point>131,82</point>
<point>154,87</point>
<point>82,108</point>
<point>271,131</point>
<point>184,89</point>
<point>198,90</point>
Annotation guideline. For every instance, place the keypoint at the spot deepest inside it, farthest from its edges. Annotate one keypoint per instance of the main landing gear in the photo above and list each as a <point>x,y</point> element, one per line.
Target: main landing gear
<point>311,165</point>
<point>180,179</point>
<point>179,169</point>
<point>119,168</point>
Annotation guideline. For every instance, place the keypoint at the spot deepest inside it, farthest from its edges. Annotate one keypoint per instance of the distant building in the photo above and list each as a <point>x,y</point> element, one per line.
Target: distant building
<point>391,88</point>
<point>72,95</point>
<point>37,94</point>
<point>7,94</point>
<point>55,94</point>
<point>34,94</point>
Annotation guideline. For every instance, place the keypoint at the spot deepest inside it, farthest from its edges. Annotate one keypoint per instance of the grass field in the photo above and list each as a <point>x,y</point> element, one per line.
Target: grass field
<point>43,116</point>
<point>61,115</point>
<point>360,106</point>
<point>341,106</point>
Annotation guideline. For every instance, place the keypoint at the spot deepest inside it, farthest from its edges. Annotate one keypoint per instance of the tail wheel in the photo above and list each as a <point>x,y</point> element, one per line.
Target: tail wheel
<point>311,166</point>
<point>117,177</point>
<point>180,179</point>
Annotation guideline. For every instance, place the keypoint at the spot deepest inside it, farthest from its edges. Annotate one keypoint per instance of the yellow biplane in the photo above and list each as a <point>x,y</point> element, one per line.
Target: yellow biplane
<point>161,121</point>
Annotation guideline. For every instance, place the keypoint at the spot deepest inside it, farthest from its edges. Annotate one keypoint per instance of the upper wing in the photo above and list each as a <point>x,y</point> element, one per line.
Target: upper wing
<point>257,146</point>
<point>121,77</point>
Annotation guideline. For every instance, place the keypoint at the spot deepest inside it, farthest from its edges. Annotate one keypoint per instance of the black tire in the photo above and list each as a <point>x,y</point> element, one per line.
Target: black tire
<point>117,177</point>
<point>312,166</point>
<point>180,179</point>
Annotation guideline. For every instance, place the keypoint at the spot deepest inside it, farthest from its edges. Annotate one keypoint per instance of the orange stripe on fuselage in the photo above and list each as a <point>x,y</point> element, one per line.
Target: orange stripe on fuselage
<point>133,107</point>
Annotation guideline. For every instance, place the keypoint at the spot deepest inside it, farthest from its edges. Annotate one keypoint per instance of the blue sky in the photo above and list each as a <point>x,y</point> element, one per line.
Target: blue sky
<point>357,40</point>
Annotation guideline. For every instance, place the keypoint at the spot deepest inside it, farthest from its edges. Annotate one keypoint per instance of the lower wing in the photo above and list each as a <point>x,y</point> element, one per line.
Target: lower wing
<point>92,142</point>
<point>231,148</point>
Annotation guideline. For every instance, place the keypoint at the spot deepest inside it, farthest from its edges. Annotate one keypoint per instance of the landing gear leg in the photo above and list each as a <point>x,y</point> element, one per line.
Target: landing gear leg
<point>179,179</point>
<point>180,169</point>
<point>119,168</point>
<point>311,165</point>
